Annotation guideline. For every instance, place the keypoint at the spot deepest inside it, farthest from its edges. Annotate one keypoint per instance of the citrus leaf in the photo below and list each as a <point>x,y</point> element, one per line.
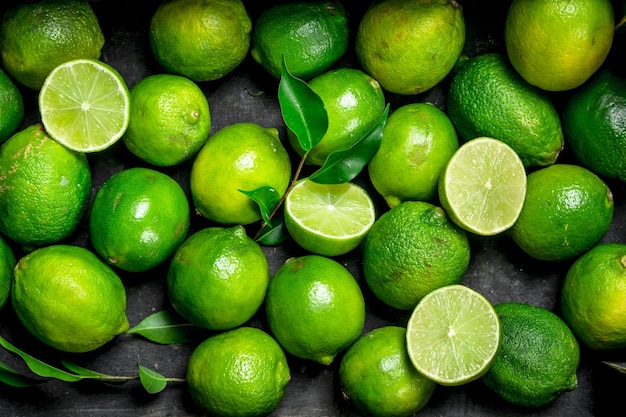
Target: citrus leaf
<point>152,381</point>
<point>38,367</point>
<point>165,328</point>
<point>302,109</point>
<point>13,378</point>
<point>88,373</point>
<point>618,366</point>
<point>267,198</point>
<point>275,234</point>
<point>342,166</point>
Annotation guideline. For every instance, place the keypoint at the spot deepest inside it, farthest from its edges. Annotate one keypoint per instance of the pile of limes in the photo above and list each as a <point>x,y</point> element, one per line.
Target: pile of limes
<point>524,145</point>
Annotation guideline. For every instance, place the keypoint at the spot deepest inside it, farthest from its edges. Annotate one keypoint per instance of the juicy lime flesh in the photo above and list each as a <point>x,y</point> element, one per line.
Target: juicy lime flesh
<point>484,186</point>
<point>333,210</point>
<point>453,335</point>
<point>84,105</point>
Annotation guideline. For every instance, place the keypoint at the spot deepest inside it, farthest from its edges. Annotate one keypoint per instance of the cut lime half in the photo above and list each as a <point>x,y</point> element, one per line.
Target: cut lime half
<point>328,219</point>
<point>483,186</point>
<point>453,335</point>
<point>84,105</point>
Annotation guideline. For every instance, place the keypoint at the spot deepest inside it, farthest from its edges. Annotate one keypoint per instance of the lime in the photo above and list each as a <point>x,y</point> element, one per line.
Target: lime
<point>218,278</point>
<point>36,36</point>
<point>592,297</point>
<point>538,356</point>
<point>310,36</point>
<point>354,103</point>
<point>453,335</point>
<point>7,263</point>
<point>594,122</point>
<point>328,219</point>
<point>418,140</point>
<point>200,39</point>
<point>239,157</point>
<point>169,119</point>
<point>315,308</point>
<point>410,46</point>
<point>487,97</point>
<point>554,223</point>
<point>482,188</point>
<point>411,250</point>
<point>11,107</point>
<point>138,218</point>
<point>377,376</point>
<point>84,105</point>
<point>558,45</point>
<point>45,188</point>
<point>238,373</point>
<point>69,298</point>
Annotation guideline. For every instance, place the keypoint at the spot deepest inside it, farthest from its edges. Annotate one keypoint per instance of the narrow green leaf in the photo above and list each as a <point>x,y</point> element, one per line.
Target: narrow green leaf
<point>302,109</point>
<point>276,234</point>
<point>267,198</point>
<point>165,328</point>
<point>618,366</point>
<point>88,373</point>
<point>13,378</point>
<point>342,166</point>
<point>152,381</point>
<point>38,367</point>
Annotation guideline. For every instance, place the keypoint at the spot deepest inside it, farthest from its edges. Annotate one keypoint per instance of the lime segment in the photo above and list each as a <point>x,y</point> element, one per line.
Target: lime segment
<point>84,105</point>
<point>483,186</point>
<point>328,219</point>
<point>453,335</point>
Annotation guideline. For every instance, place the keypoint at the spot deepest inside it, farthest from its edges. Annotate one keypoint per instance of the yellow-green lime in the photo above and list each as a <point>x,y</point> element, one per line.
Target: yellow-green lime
<point>218,277</point>
<point>7,263</point>
<point>67,297</point>
<point>592,297</point>
<point>44,188</point>
<point>328,219</point>
<point>11,107</point>
<point>413,249</point>
<point>594,122</point>
<point>238,373</point>
<point>84,105</point>
<point>483,186</point>
<point>238,157</point>
<point>555,221</point>
<point>36,36</point>
<point>169,119</point>
<point>310,36</point>
<point>538,356</point>
<point>354,104</point>
<point>410,46</point>
<point>138,218</point>
<point>487,97</point>
<point>376,375</point>
<point>315,308</point>
<point>558,45</point>
<point>200,39</point>
<point>418,140</point>
<point>453,335</point>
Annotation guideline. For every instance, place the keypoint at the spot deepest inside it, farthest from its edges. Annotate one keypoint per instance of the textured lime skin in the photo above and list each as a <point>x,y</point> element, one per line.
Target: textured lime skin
<point>11,107</point>
<point>7,263</point>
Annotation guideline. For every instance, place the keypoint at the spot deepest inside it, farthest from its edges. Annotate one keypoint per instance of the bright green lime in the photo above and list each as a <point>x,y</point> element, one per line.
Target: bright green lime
<point>11,107</point>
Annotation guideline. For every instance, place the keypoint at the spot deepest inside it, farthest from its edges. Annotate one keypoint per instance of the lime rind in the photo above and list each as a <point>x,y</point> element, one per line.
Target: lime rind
<point>85,105</point>
<point>483,186</point>
<point>453,335</point>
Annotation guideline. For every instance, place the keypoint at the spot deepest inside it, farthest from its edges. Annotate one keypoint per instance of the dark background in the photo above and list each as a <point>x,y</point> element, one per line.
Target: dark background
<point>498,269</point>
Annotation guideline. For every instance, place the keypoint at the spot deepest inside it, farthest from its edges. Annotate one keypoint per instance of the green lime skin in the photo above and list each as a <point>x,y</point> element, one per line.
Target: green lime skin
<point>538,356</point>
<point>376,375</point>
<point>11,107</point>
<point>138,218</point>
<point>241,372</point>
<point>594,122</point>
<point>7,263</point>
<point>487,97</point>
<point>311,36</point>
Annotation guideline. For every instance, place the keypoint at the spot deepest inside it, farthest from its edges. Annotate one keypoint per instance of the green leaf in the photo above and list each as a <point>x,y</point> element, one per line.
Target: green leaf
<point>302,109</point>
<point>267,198</point>
<point>618,366</point>
<point>275,234</point>
<point>13,378</point>
<point>88,373</point>
<point>165,328</point>
<point>342,166</point>
<point>38,367</point>
<point>152,381</point>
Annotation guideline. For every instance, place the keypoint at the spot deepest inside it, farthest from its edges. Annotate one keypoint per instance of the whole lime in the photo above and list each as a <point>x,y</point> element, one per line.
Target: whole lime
<point>11,107</point>
<point>7,263</point>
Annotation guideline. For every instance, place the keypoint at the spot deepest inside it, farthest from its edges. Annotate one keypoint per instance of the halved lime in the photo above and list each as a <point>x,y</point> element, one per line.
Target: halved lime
<point>84,105</point>
<point>328,219</point>
<point>453,335</point>
<point>483,185</point>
